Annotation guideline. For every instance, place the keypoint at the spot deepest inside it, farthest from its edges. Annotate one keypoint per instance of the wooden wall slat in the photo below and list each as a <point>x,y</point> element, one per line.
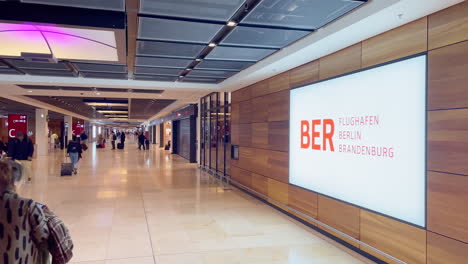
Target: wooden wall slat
<point>260,89</point>
<point>260,183</point>
<point>279,82</point>
<point>242,176</point>
<point>245,112</point>
<point>447,205</point>
<point>278,191</point>
<point>260,135</point>
<point>443,250</point>
<point>339,215</point>
<point>260,109</point>
<point>278,106</point>
<point>341,62</point>
<point>304,74</point>
<point>235,133</point>
<point>448,141</point>
<point>448,26</point>
<point>400,42</point>
<point>278,135</point>
<point>245,135</point>
<point>241,95</point>
<point>278,165</point>
<point>405,242</point>
<point>447,77</point>
<point>304,201</point>
<point>235,113</point>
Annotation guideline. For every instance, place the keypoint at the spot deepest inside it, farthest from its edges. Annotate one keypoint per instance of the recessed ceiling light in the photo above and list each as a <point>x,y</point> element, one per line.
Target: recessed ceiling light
<point>188,69</point>
<point>98,93</point>
<point>232,23</point>
<point>212,44</point>
<point>198,60</point>
<point>30,91</point>
<point>181,76</point>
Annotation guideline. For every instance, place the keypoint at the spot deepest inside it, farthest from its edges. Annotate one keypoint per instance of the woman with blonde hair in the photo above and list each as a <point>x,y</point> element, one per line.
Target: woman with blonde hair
<point>23,225</point>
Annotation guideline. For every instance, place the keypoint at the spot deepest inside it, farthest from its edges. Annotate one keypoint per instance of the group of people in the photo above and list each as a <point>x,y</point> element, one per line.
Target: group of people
<point>143,141</point>
<point>118,139</point>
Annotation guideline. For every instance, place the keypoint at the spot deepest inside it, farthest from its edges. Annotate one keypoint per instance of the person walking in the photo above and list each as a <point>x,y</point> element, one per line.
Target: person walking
<point>114,138</point>
<point>122,139</point>
<point>141,141</point>
<point>24,231</point>
<point>74,151</point>
<point>21,149</point>
<point>29,231</point>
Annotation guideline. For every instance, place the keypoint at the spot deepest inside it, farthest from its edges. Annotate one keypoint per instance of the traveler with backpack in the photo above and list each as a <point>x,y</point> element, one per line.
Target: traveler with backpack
<point>74,151</point>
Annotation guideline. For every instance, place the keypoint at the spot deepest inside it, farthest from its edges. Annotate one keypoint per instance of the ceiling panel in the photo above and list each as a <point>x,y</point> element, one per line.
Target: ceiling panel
<point>160,78</point>
<point>263,37</point>
<point>105,75</point>
<point>162,62</point>
<point>201,80</point>
<point>310,14</point>
<point>176,30</point>
<point>148,91</point>
<point>239,54</point>
<point>211,74</point>
<point>146,108</point>
<point>94,67</point>
<point>49,73</point>
<point>158,71</point>
<point>224,65</point>
<point>8,71</point>
<point>116,5</point>
<point>72,104</point>
<point>220,10</point>
<point>3,65</point>
<point>37,65</point>
<point>164,49</point>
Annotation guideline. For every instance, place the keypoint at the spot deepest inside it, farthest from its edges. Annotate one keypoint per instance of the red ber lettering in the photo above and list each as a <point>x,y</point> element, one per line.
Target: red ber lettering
<point>311,135</point>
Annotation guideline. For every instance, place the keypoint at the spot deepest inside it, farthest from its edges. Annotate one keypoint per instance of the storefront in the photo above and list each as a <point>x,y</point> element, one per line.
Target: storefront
<point>178,132</point>
<point>215,129</point>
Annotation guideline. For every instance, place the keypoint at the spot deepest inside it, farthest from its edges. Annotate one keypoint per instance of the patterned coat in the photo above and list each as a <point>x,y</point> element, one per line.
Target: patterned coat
<point>23,229</point>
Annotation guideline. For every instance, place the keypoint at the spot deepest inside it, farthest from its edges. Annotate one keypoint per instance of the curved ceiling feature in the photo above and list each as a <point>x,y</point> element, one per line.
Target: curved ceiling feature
<point>63,43</point>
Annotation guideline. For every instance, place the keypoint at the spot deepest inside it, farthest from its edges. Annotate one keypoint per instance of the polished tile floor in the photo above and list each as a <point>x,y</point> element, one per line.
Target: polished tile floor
<point>146,207</point>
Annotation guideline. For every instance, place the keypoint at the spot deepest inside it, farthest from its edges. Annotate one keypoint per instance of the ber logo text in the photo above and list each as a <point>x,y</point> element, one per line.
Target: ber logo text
<point>344,135</point>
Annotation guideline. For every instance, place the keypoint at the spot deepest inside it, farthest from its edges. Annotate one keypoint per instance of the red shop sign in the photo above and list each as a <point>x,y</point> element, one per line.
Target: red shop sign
<point>17,123</point>
<point>77,128</point>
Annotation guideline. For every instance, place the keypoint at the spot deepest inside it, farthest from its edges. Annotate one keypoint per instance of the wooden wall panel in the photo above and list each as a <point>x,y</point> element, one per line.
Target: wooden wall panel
<point>278,135</point>
<point>339,215</point>
<point>245,135</point>
<point>260,107</point>
<point>304,201</point>
<point>405,242</point>
<point>235,113</point>
<point>241,95</point>
<point>260,89</point>
<point>447,77</point>
<point>260,183</point>
<point>443,250</point>
<point>448,141</point>
<point>278,191</point>
<point>340,62</point>
<point>245,112</point>
<point>304,74</point>
<point>401,42</point>
<point>278,165</point>
<point>242,176</point>
<point>278,106</point>
<point>448,26</point>
<point>447,205</point>
<point>279,82</point>
<point>260,135</point>
<point>235,133</point>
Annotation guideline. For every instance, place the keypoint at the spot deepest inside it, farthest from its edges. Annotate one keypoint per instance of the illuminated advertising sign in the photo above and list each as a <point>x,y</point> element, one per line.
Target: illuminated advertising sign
<point>361,138</point>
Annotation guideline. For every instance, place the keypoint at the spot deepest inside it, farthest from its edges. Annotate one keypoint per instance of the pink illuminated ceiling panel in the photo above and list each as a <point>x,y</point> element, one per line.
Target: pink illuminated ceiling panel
<point>65,43</point>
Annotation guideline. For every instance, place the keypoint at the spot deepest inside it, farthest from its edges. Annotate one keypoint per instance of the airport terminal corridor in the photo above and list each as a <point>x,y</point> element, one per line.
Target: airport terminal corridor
<point>144,207</point>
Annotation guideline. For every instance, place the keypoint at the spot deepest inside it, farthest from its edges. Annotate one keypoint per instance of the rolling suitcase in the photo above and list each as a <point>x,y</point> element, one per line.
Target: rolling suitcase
<point>66,169</point>
<point>120,146</point>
